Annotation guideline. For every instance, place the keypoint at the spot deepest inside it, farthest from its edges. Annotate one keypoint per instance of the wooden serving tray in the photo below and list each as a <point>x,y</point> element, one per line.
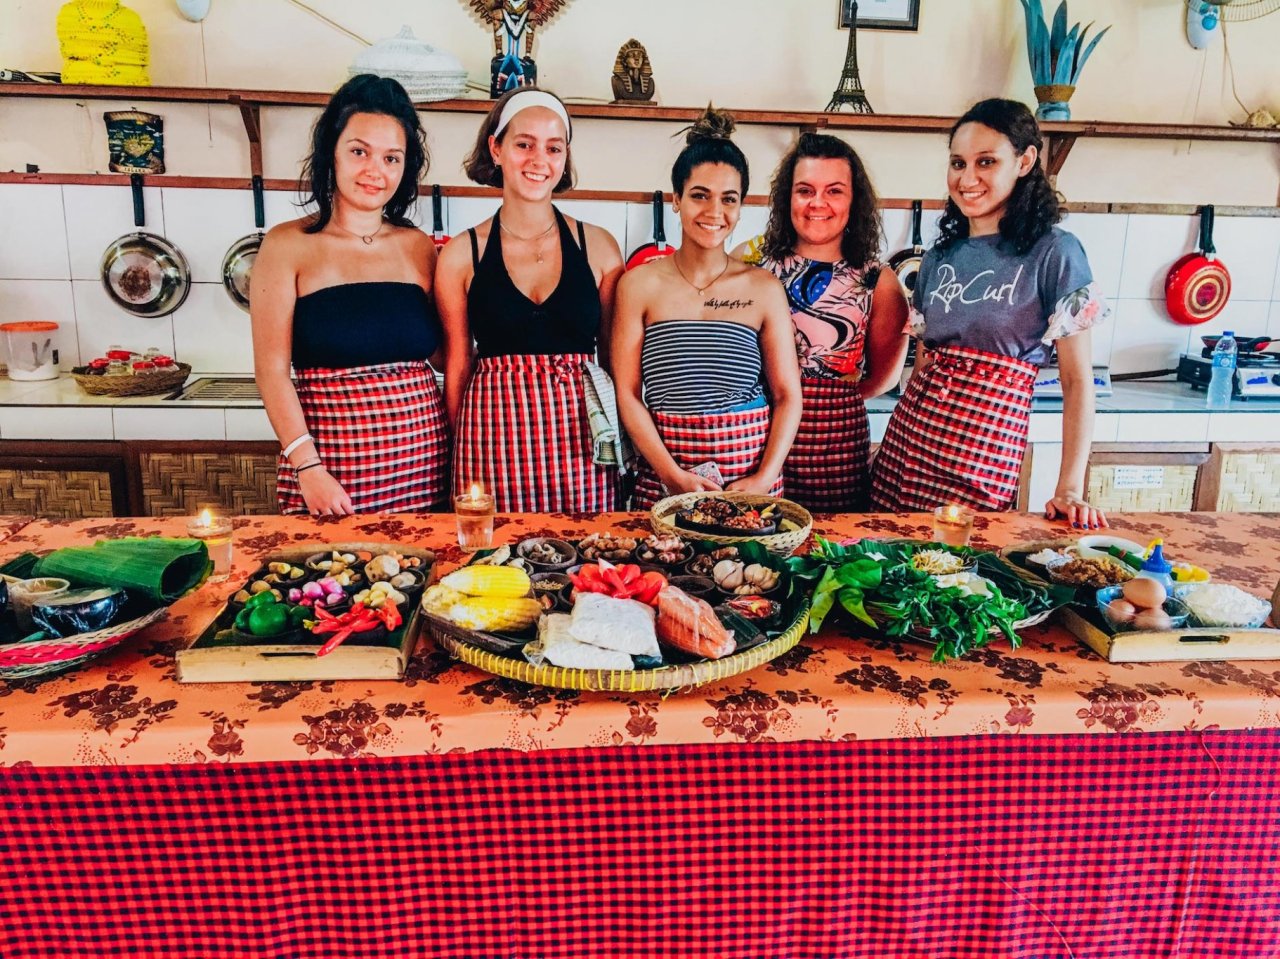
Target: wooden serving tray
<point>384,658</point>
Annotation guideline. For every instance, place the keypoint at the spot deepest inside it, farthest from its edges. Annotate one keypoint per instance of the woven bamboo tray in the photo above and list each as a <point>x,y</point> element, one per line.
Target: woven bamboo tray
<point>681,676</point>
<point>39,657</point>
<point>148,384</point>
<point>662,519</point>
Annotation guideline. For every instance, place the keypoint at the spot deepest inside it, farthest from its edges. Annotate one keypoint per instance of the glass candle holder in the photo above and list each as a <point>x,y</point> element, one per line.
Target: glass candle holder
<point>216,531</point>
<point>474,510</point>
<point>952,525</point>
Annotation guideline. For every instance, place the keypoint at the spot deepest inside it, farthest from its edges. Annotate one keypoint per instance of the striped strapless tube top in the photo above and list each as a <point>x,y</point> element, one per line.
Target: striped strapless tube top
<point>700,366</point>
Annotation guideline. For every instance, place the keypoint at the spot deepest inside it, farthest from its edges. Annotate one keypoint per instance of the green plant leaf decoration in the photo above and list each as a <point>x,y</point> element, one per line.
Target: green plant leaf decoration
<point>1056,54</point>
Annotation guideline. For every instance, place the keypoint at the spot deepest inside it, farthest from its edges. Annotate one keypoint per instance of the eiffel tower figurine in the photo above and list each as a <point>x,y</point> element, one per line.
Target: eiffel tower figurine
<point>849,91</point>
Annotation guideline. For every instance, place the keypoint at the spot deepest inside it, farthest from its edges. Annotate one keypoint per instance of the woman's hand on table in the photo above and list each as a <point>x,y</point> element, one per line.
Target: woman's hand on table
<point>1070,507</point>
<point>323,494</point>
<point>755,483</point>
<point>685,482</point>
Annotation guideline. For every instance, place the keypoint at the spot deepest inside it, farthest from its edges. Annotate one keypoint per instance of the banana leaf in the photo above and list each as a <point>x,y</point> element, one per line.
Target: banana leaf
<point>158,568</point>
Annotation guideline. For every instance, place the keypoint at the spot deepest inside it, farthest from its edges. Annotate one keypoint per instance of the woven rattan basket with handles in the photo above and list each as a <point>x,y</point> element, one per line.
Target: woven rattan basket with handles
<point>145,384</point>
<point>662,519</point>
<point>679,676</point>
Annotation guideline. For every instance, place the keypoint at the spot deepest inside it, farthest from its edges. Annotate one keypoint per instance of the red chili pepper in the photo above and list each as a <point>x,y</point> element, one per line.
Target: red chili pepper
<point>358,619</point>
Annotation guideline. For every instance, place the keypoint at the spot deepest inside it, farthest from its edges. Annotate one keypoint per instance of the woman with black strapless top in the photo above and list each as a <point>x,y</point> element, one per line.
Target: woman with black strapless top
<point>344,296</point>
<point>535,293</point>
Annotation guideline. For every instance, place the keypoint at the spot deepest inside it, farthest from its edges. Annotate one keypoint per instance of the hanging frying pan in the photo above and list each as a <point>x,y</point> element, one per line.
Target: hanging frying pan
<point>1198,285</point>
<point>238,263</point>
<point>143,273</point>
<point>657,248</point>
<point>437,218</point>
<point>906,263</point>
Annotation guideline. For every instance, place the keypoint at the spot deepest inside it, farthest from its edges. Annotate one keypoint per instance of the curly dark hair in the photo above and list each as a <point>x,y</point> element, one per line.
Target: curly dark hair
<point>1033,207</point>
<point>707,141</point>
<point>861,241</point>
<point>364,93</point>
<point>479,166</point>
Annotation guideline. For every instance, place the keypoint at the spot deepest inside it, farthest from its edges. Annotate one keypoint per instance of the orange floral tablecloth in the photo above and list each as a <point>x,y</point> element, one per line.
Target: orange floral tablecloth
<point>128,708</point>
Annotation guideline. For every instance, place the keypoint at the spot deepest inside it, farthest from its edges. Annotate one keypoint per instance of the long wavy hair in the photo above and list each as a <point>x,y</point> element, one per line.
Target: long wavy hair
<point>860,243</point>
<point>364,93</point>
<point>1033,207</point>
<point>707,141</point>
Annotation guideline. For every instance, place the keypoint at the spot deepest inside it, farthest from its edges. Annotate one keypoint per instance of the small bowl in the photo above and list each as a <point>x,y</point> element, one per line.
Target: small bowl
<point>25,593</point>
<point>566,550</point>
<point>1174,608</point>
<point>78,611</point>
<point>561,592</point>
<point>646,556</point>
<point>1095,547</point>
<point>703,587</point>
<point>418,576</point>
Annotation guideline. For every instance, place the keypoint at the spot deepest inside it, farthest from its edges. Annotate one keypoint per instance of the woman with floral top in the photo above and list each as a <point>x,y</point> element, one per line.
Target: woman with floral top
<point>1001,287</point>
<point>848,314</point>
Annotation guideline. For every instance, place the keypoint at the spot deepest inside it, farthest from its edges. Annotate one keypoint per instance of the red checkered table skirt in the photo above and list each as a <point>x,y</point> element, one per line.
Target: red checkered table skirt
<point>1131,845</point>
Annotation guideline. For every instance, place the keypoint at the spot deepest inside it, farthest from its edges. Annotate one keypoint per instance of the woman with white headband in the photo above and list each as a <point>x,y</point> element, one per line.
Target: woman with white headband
<point>534,290</point>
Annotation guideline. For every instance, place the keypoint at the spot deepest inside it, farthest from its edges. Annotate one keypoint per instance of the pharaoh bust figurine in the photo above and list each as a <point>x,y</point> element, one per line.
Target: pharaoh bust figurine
<point>632,75</point>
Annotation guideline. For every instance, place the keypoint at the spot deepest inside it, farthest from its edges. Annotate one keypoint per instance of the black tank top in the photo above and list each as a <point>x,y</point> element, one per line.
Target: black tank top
<point>505,321</point>
<point>364,324</point>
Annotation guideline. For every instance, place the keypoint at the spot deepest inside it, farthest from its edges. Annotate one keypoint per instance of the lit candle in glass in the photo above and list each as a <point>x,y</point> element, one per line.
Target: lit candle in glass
<point>952,525</point>
<point>216,533</point>
<point>474,509</point>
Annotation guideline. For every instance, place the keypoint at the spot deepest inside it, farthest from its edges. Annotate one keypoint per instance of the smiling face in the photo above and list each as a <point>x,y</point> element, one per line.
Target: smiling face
<point>983,171</point>
<point>368,163</point>
<point>821,194</point>
<point>710,205</point>
<point>532,154</point>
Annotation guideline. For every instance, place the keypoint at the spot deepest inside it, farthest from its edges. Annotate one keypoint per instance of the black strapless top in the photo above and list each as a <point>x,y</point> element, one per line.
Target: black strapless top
<point>364,324</point>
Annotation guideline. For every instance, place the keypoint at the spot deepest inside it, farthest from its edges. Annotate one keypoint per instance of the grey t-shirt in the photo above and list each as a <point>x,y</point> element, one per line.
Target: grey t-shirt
<point>980,294</point>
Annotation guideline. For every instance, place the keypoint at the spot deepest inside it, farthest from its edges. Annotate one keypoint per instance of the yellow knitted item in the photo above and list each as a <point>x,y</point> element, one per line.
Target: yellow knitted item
<point>102,42</point>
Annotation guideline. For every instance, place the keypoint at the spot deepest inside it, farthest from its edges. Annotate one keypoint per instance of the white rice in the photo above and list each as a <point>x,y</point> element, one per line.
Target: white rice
<point>1219,604</point>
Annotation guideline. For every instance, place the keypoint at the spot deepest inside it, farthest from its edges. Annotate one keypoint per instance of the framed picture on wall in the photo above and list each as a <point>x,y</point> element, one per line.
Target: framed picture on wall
<point>882,14</point>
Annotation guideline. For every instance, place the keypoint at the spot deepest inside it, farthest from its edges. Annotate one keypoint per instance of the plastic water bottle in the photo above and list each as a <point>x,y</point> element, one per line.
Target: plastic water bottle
<point>1222,383</point>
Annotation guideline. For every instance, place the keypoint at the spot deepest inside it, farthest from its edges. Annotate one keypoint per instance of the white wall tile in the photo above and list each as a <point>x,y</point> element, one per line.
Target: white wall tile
<point>640,226</point>
<point>1243,427</point>
<point>1273,323</point>
<point>1103,236</point>
<point>1105,427</point>
<point>137,423</point>
<point>1242,317</point>
<point>751,224</point>
<point>463,212</point>
<point>249,424</point>
<point>897,230</point>
<point>1163,428</point>
<point>602,213</point>
<point>1152,244</point>
<point>33,234</point>
<point>1145,338</point>
<point>211,333</point>
<point>55,423</point>
<point>97,216</point>
<point>101,324</point>
<point>279,206</point>
<point>1045,428</point>
<point>1250,248</point>
<point>22,300</point>
<point>879,423</point>
<point>203,224</point>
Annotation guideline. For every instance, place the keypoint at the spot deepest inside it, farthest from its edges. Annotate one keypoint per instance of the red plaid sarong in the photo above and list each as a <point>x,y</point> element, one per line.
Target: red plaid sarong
<point>826,470</point>
<point>381,433</point>
<point>523,433</point>
<point>958,434</point>
<point>733,441</point>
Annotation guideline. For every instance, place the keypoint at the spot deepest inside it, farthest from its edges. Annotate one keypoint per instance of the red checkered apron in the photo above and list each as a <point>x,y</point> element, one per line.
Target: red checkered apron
<point>381,433</point>
<point>523,433</point>
<point>958,434</point>
<point>826,470</point>
<point>733,441</point>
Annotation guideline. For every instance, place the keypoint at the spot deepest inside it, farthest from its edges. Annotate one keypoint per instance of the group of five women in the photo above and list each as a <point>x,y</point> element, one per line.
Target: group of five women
<point>745,370</point>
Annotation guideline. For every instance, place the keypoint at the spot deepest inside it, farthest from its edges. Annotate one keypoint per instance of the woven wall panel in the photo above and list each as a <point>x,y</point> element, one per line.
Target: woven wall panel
<point>1249,483</point>
<point>56,494</point>
<point>180,484</point>
<point>1175,495</point>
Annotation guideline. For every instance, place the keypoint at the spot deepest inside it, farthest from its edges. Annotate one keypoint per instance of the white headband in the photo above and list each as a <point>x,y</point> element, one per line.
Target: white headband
<point>533,98</point>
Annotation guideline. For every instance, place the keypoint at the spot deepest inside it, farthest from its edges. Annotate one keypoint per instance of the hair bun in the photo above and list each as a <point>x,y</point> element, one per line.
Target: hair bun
<point>712,125</point>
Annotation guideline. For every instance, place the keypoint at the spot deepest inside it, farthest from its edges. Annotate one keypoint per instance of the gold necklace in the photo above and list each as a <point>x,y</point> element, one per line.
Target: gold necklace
<point>527,239</point>
<point>367,239</point>
<point>703,289</point>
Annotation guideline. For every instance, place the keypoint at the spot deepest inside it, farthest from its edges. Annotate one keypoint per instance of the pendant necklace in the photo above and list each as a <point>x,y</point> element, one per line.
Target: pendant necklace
<point>701,289</point>
<point>367,239</point>
<point>528,239</point>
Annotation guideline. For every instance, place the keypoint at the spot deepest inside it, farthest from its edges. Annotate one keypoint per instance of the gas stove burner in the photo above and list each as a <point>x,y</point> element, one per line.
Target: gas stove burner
<point>1253,375</point>
<point>1246,346</point>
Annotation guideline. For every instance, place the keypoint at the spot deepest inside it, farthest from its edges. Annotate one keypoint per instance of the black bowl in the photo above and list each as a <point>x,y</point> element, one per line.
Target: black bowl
<point>78,611</point>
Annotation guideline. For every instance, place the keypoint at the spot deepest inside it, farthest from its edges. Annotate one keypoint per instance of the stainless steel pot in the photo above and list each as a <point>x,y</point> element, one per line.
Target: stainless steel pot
<point>143,273</point>
<point>237,265</point>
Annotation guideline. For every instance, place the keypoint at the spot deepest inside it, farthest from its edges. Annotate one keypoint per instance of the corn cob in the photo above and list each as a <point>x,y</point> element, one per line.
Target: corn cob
<point>489,581</point>
<point>502,614</point>
<point>439,598</point>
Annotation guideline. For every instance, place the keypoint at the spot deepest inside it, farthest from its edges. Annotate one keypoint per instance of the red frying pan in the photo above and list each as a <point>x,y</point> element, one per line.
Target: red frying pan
<point>1198,285</point>
<point>657,248</point>
<point>437,218</point>
<point>906,262</point>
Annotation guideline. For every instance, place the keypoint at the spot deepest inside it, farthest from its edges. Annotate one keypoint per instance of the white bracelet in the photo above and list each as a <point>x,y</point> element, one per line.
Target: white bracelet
<point>296,443</point>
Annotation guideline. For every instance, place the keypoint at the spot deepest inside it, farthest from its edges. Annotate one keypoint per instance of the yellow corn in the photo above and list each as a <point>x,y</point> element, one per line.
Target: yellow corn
<point>502,614</point>
<point>439,598</point>
<point>496,581</point>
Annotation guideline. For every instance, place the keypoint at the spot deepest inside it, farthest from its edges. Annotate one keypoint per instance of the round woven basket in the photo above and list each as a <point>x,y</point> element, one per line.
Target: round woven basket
<point>40,657</point>
<point>148,384</point>
<point>681,676</point>
<point>662,519</point>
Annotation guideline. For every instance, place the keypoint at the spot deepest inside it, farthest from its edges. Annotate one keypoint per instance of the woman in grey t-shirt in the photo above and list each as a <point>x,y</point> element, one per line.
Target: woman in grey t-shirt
<point>1001,286</point>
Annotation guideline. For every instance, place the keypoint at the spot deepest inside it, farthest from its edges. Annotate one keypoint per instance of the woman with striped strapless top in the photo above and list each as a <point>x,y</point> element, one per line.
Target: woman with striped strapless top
<point>707,380</point>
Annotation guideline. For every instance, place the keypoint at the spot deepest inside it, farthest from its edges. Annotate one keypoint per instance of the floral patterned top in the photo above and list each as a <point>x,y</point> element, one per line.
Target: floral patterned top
<point>830,309</point>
